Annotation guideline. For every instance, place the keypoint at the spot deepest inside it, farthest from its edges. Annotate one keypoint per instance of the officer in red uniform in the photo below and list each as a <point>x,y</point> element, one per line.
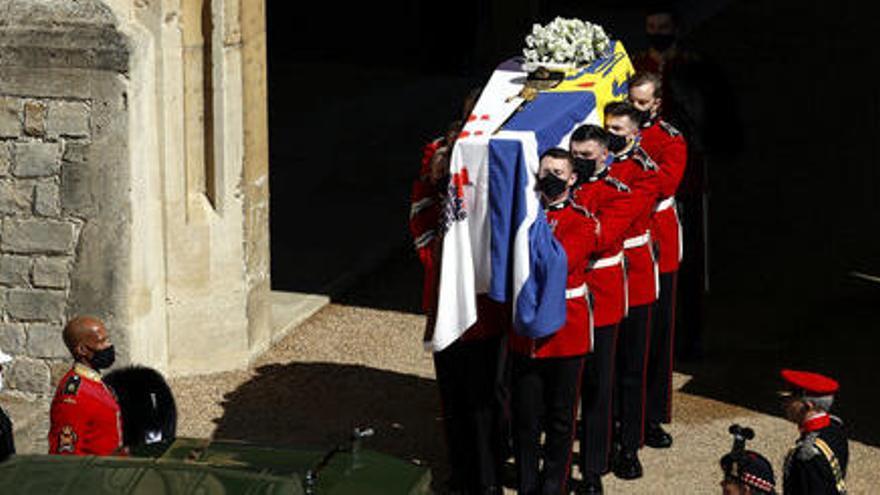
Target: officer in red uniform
<point>426,201</point>
<point>85,418</point>
<point>634,167</point>
<point>610,201</point>
<point>667,147</point>
<point>547,371</point>
<point>817,464</point>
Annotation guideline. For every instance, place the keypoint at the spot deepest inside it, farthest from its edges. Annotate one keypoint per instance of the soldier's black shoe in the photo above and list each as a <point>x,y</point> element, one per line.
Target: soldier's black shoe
<point>591,485</point>
<point>657,438</point>
<point>627,465</point>
<point>612,456</point>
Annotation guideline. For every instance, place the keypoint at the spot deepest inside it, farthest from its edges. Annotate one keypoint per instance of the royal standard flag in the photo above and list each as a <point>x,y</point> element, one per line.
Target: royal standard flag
<point>497,240</point>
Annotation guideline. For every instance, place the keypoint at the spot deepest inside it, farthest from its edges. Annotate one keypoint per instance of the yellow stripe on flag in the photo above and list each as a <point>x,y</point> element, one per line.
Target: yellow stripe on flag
<point>606,79</point>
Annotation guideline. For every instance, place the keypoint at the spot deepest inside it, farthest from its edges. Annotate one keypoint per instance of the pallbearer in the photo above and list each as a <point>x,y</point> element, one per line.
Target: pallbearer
<point>468,371</point>
<point>547,371</point>
<point>635,168</point>
<point>667,147</point>
<point>610,200</point>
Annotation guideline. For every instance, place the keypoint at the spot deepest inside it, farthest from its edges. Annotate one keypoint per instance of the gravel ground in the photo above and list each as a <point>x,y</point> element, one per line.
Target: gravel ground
<point>350,366</point>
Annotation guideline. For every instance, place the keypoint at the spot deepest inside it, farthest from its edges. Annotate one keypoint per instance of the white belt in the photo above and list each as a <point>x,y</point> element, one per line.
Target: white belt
<point>576,292</point>
<point>608,261</point>
<point>665,204</point>
<point>637,241</point>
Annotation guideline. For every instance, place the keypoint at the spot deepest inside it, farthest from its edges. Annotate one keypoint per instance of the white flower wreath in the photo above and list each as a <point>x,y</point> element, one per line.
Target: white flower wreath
<point>564,44</point>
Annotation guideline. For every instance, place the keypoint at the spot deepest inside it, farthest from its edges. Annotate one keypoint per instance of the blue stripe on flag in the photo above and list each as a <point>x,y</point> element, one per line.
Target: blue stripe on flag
<point>551,116</point>
<point>540,307</point>
<point>507,169</point>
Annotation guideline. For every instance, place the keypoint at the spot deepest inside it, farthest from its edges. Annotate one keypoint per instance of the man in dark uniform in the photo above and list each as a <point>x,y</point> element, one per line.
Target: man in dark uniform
<point>817,464</point>
<point>547,370</point>
<point>7,445</point>
<point>85,418</point>
<point>668,149</point>
<point>676,65</point>
<point>746,472</point>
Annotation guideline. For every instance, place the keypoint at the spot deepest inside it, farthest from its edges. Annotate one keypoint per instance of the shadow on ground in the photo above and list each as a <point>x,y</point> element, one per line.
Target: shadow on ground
<point>749,340</point>
<point>319,404</point>
<point>782,290</point>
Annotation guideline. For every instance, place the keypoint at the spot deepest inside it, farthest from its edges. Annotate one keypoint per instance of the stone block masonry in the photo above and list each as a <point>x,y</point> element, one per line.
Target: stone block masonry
<point>5,159</point>
<point>10,117</point>
<point>39,233</point>
<point>36,159</point>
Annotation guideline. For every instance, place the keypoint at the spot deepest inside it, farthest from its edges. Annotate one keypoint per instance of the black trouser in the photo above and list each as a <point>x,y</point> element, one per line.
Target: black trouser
<point>691,280</point>
<point>545,393</point>
<point>7,445</point>
<point>659,407</point>
<point>632,354</point>
<point>467,375</point>
<point>596,405</point>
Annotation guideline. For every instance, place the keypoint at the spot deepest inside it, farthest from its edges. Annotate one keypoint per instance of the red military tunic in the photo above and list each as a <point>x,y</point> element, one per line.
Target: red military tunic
<point>610,201</point>
<point>577,231</point>
<point>636,169</point>
<point>667,147</point>
<point>85,418</point>
<point>424,218</point>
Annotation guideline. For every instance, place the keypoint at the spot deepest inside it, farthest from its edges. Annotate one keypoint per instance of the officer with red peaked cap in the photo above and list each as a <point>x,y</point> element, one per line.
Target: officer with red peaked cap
<point>817,464</point>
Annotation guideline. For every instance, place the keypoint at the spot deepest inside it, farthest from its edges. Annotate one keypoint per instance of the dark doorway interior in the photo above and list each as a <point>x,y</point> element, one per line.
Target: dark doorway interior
<point>354,91</point>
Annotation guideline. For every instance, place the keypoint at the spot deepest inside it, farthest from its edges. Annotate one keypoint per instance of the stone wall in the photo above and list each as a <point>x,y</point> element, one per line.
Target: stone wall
<point>41,140</point>
<point>65,181</point>
<point>255,183</point>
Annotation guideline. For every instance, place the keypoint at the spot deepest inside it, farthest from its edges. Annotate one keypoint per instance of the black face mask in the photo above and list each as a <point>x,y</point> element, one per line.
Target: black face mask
<point>551,186</point>
<point>104,358</point>
<point>644,116</point>
<point>661,42</point>
<point>616,143</point>
<point>585,169</point>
